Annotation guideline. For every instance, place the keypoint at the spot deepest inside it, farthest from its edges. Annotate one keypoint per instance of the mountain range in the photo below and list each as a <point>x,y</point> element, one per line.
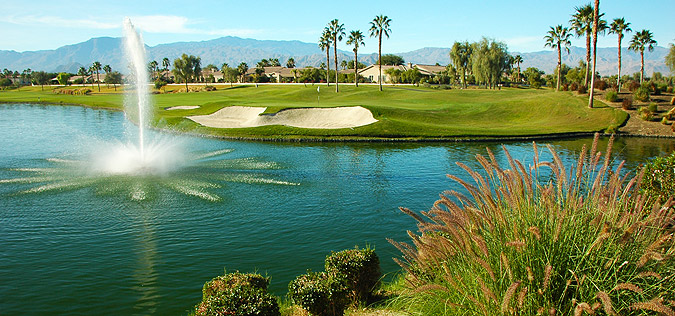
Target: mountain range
<point>234,50</point>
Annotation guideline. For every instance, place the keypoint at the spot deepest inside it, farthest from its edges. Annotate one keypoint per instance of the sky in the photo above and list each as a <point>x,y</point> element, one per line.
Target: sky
<point>42,25</point>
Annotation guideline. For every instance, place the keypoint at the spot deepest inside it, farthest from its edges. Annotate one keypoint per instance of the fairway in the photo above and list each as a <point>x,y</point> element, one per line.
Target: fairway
<point>403,112</point>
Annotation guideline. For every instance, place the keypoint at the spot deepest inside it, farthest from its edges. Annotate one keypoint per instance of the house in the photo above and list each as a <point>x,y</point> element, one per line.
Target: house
<point>371,73</point>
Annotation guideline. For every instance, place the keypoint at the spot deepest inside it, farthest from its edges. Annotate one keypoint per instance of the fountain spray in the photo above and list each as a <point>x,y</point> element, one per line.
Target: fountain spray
<point>135,52</point>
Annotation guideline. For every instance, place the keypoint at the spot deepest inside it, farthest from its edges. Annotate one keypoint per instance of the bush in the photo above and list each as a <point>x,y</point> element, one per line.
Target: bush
<point>582,89</point>
<point>627,103</point>
<point>319,293</point>
<point>641,94</point>
<point>669,89</point>
<point>360,269</point>
<point>542,240</point>
<point>631,85</point>
<point>652,107</point>
<point>645,113</point>
<point>159,83</point>
<point>611,96</point>
<point>664,121</point>
<point>237,294</point>
<point>564,87</point>
<point>601,85</point>
<point>659,177</point>
<point>574,86</point>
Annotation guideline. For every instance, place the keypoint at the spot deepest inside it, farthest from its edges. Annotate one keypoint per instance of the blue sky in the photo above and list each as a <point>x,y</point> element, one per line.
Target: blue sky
<point>36,25</point>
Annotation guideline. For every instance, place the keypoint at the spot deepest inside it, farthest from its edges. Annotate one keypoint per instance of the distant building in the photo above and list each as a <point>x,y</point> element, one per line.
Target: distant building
<point>372,72</point>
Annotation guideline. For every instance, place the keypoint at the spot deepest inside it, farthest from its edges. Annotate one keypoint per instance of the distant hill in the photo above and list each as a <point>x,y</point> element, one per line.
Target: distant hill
<point>234,50</point>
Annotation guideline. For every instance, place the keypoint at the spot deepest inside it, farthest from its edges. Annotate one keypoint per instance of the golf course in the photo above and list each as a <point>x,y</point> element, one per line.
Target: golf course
<point>401,112</point>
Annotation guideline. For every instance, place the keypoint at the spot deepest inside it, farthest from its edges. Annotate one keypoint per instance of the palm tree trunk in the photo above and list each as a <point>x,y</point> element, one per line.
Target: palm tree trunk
<point>98,82</point>
<point>328,66</point>
<point>588,57</point>
<point>379,57</point>
<point>557,87</point>
<point>336,64</point>
<point>596,14</point>
<point>618,79</point>
<point>518,77</point>
<point>642,65</point>
<point>356,68</point>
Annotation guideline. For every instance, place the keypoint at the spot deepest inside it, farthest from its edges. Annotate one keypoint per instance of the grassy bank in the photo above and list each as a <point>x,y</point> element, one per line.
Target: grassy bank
<point>402,111</point>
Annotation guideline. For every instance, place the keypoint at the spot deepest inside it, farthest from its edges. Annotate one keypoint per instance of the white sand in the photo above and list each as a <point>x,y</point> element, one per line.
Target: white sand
<point>324,118</point>
<point>183,107</point>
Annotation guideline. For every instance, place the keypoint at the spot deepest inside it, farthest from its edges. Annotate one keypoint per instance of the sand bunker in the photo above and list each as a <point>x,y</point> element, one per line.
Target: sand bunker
<point>325,118</point>
<point>183,107</point>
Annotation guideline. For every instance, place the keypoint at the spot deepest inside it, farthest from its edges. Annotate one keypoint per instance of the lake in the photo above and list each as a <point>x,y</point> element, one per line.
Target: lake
<point>73,242</point>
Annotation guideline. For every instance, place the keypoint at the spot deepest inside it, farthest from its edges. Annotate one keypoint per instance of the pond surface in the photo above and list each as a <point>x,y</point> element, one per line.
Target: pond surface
<point>73,242</point>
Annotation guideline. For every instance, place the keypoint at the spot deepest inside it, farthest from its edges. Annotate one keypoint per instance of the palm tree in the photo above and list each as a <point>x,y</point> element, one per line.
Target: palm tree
<point>166,63</point>
<point>324,43</point>
<point>582,24</point>
<point>557,37</point>
<point>596,17</point>
<point>242,69</point>
<point>107,70</point>
<point>337,31</point>
<point>640,41</point>
<point>617,27</point>
<point>518,60</point>
<point>152,67</point>
<point>356,39</point>
<point>380,26</point>
<point>96,66</point>
<point>290,63</point>
<point>83,72</point>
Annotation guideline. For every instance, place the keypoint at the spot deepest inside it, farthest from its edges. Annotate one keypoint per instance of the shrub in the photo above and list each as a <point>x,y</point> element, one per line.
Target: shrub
<point>645,113</point>
<point>664,121</point>
<point>543,240</point>
<point>360,269</point>
<point>600,85</point>
<point>627,103</point>
<point>652,107</point>
<point>641,94</point>
<point>582,89</point>
<point>659,177</point>
<point>319,293</point>
<point>237,294</point>
<point>669,89</point>
<point>564,87</point>
<point>611,96</point>
<point>574,86</point>
<point>631,85</point>
<point>159,83</point>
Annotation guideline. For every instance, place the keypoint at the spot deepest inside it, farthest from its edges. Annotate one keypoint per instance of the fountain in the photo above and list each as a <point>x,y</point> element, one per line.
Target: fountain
<point>135,52</point>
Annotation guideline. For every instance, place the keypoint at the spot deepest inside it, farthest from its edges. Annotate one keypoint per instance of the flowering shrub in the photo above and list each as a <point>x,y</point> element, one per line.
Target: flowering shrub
<point>237,294</point>
<point>659,177</point>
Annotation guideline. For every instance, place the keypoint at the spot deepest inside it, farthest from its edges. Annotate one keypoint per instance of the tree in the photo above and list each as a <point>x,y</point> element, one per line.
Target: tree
<point>337,31</point>
<point>107,70</point>
<point>380,26</point>
<point>558,37</point>
<point>274,62</point>
<point>489,60</point>
<point>324,43</point>
<point>670,58</point>
<point>62,78</point>
<point>5,82</point>
<point>582,25</point>
<point>84,73</point>
<point>290,63</point>
<point>187,68</point>
<point>460,55</point>
<point>596,17</point>
<point>96,66</point>
<point>356,39</point>
<point>115,78</point>
<point>533,76</point>
<point>617,27</point>
<point>166,63</point>
<point>41,78</point>
<point>392,60</point>
<point>518,60</point>
<point>640,41</point>
<point>242,69</point>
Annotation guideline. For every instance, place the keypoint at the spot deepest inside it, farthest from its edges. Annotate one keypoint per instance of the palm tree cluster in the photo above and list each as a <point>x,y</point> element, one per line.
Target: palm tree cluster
<point>334,32</point>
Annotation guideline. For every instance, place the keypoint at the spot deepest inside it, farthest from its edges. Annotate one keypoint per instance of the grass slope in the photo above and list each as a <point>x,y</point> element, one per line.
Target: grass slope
<point>402,111</point>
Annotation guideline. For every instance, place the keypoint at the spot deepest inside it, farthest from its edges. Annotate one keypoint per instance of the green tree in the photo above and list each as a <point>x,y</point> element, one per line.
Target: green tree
<point>115,78</point>
<point>41,78</point>
<point>187,69</point>
<point>166,63</point>
<point>343,64</point>
<point>596,29</point>
<point>518,60</point>
<point>337,32</point>
<point>533,76</point>
<point>460,55</point>
<point>558,37</point>
<point>96,66</point>
<point>62,78</point>
<point>640,41</point>
<point>670,58</point>
<point>356,39</point>
<point>324,43</point>
<point>582,25</point>
<point>488,61</point>
<point>392,60</point>
<point>5,82</point>
<point>83,72</point>
<point>394,74</point>
<point>618,27</point>
<point>242,69</point>
<point>290,63</point>
<point>380,26</point>
<point>107,70</point>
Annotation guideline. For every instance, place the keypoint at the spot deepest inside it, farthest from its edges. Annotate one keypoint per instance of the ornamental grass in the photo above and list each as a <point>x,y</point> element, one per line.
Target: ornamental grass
<point>542,240</point>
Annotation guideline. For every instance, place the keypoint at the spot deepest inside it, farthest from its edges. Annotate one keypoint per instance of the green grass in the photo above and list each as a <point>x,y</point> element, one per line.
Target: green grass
<point>403,112</point>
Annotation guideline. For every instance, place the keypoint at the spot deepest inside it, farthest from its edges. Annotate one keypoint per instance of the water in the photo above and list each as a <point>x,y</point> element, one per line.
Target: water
<point>101,247</point>
<point>138,101</point>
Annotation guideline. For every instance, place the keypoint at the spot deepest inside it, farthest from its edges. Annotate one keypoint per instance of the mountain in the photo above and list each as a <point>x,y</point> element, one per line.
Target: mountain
<point>234,50</point>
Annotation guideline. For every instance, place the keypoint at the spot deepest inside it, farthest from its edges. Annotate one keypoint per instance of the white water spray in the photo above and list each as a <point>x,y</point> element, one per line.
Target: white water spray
<point>135,52</point>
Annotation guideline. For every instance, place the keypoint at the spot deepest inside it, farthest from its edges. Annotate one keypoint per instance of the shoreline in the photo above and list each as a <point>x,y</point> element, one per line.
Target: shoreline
<point>366,139</point>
